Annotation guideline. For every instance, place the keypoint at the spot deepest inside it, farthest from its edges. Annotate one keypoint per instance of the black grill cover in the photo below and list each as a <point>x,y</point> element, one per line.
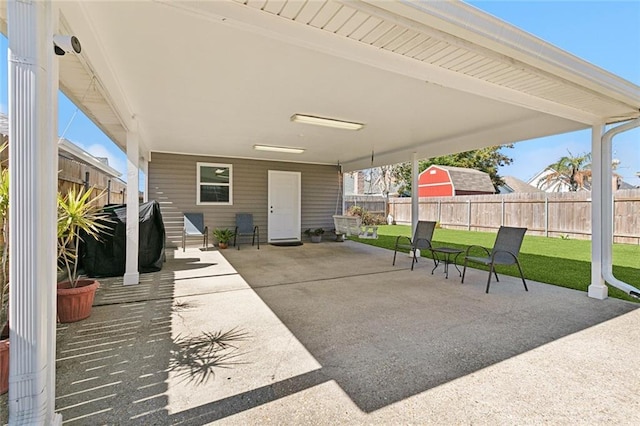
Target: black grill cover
<point>107,257</point>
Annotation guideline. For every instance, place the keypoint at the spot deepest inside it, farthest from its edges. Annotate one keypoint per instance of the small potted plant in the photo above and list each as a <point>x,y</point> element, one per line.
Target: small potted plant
<point>315,234</point>
<point>223,235</point>
<point>78,216</point>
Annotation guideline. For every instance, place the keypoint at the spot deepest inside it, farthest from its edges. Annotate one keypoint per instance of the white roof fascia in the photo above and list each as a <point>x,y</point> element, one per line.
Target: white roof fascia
<point>83,156</point>
<point>267,25</point>
<point>469,23</point>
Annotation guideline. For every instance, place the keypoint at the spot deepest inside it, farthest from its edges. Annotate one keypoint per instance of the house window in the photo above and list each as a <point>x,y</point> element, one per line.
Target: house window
<point>215,183</point>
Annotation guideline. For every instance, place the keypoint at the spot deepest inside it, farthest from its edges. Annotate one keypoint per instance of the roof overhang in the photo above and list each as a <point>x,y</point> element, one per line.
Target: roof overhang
<point>431,78</point>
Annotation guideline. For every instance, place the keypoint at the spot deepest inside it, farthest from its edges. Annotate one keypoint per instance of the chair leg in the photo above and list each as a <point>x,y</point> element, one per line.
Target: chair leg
<point>522,276</point>
<point>258,234</point>
<point>464,270</point>
<point>395,251</point>
<point>491,270</point>
<point>414,258</point>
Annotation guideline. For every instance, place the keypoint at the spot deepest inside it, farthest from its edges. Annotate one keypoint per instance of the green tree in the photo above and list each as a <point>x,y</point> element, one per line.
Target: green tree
<point>575,169</point>
<point>487,160</point>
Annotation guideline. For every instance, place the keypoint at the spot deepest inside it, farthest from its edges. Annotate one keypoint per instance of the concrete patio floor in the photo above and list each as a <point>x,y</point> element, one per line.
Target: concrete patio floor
<point>331,333</point>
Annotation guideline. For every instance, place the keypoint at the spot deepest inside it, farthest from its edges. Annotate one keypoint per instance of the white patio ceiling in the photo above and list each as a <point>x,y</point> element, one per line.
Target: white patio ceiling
<point>217,77</point>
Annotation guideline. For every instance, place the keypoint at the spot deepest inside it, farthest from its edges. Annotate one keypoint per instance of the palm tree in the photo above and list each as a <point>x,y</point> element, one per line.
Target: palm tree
<point>576,170</point>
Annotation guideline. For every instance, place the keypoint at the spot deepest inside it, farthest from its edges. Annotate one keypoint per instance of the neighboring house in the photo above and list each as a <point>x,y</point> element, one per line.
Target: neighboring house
<point>370,182</point>
<point>561,183</point>
<point>446,181</point>
<point>284,197</point>
<point>77,168</point>
<point>513,184</point>
<point>557,184</point>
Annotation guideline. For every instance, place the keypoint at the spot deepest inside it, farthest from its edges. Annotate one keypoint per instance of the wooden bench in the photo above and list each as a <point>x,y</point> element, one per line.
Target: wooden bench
<point>352,225</point>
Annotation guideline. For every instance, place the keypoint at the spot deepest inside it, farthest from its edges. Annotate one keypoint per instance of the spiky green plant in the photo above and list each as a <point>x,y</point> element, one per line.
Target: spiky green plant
<point>78,215</point>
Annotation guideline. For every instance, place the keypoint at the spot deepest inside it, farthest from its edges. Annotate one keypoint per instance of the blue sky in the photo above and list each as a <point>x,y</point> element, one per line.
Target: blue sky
<point>605,33</point>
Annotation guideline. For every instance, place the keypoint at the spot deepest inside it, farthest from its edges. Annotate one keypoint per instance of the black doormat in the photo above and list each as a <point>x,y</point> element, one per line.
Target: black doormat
<point>287,243</point>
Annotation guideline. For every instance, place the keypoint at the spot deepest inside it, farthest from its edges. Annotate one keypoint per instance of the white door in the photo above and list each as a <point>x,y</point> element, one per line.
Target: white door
<point>284,206</point>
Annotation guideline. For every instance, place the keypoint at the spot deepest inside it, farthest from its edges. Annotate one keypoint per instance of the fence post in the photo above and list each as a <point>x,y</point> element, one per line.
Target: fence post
<point>468,215</point>
<point>546,215</point>
<point>439,218</point>
<point>502,211</point>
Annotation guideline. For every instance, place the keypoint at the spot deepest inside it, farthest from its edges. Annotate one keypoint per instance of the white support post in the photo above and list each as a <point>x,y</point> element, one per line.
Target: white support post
<point>144,166</point>
<point>131,275</point>
<point>597,289</point>
<point>415,200</point>
<point>33,154</point>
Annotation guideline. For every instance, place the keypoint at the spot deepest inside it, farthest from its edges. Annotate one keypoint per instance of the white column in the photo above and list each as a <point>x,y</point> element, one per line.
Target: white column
<point>131,275</point>
<point>597,289</point>
<point>33,154</point>
<point>144,166</point>
<point>415,201</point>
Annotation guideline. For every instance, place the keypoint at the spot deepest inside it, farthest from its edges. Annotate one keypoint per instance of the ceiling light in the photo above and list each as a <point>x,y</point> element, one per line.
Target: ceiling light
<point>328,122</point>
<point>273,148</point>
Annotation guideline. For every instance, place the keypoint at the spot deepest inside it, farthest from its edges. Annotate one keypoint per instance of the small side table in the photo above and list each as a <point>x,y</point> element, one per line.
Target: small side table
<point>446,253</point>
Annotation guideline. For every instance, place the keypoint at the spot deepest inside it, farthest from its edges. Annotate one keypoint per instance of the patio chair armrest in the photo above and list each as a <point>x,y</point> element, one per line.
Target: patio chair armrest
<point>402,236</point>
<point>486,250</point>
<point>493,256</point>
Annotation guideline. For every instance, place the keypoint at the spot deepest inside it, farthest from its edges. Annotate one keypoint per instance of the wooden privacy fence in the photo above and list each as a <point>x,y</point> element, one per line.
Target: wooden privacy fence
<point>371,203</point>
<point>73,174</point>
<point>566,215</point>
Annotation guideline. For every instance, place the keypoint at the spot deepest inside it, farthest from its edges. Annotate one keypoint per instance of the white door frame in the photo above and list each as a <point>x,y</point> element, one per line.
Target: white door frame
<point>295,227</point>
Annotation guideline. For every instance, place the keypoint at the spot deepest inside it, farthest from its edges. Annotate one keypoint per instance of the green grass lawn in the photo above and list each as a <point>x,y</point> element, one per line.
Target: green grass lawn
<point>565,263</point>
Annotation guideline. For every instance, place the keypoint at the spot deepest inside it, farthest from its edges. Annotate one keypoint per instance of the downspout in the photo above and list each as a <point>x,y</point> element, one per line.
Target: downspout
<point>607,208</point>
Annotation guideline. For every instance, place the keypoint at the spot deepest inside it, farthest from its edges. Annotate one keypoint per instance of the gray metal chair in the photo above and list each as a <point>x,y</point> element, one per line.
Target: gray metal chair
<point>421,240</point>
<point>505,252</point>
<point>194,227</point>
<point>245,227</point>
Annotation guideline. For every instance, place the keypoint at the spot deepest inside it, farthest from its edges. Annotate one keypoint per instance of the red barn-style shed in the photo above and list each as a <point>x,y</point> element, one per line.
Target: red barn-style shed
<point>447,181</point>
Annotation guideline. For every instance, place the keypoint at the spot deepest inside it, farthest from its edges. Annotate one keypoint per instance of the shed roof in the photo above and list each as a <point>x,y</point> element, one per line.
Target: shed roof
<point>464,179</point>
<point>518,185</point>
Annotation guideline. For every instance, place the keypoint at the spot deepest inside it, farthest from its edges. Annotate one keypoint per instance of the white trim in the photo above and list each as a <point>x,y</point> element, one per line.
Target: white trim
<point>464,22</point>
<point>132,275</point>
<point>32,100</point>
<point>199,184</point>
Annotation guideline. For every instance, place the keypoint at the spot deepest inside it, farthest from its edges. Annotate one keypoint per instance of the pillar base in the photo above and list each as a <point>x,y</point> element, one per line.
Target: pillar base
<point>598,291</point>
<point>417,253</point>
<point>131,278</point>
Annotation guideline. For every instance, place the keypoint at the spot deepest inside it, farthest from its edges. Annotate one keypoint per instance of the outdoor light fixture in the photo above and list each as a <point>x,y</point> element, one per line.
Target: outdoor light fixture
<point>327,122</point>
<point>273,148</point>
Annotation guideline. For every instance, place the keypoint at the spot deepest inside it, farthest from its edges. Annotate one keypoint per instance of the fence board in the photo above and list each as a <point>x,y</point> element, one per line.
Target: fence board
<point>553,215</point>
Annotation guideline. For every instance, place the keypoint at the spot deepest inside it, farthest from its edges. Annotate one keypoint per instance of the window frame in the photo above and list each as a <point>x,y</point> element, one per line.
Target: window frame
<point>199,184</point>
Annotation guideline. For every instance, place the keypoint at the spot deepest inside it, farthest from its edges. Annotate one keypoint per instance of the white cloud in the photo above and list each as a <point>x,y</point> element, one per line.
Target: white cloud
<point>116,161</point>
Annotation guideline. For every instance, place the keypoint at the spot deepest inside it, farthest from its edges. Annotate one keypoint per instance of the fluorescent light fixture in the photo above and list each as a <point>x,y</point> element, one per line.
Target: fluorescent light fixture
<point>327,122</point>
<point>273,148</point>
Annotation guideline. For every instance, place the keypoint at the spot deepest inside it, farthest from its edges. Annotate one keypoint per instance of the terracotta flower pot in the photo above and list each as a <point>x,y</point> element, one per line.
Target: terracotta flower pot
<point>223,245</point>
<point>4,366</point>
<point>74,304</point>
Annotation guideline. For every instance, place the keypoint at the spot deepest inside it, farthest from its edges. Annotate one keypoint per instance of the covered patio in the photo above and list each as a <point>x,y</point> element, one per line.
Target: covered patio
<point>331,333</point>
<point>221,78</point>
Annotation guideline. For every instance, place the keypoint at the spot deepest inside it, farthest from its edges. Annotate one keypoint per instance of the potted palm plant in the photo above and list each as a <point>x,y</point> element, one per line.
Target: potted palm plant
<point>223,235</point>
<point>78,216</point>
<point>315,234</point>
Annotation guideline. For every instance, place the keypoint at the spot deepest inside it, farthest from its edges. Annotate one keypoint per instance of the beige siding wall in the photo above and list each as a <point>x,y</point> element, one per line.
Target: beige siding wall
<point>172,182</point>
